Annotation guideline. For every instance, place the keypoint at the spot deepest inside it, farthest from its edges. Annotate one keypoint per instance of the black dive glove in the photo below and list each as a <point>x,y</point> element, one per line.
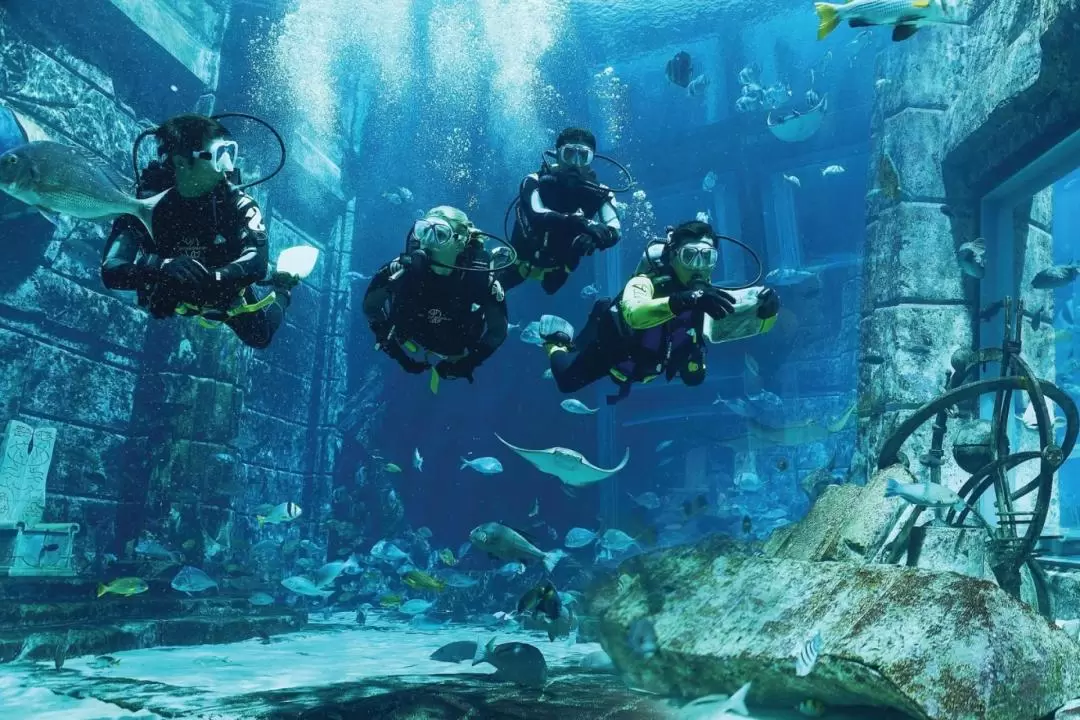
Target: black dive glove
<point>768,304</point>
<point>709,299</point>
<point>453,369</point>
<point>187,277</point>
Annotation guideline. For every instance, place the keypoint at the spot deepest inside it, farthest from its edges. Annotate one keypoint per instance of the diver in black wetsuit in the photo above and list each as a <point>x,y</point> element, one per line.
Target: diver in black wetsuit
<point>209,244</point>
<point>656,324</point>
<point>563,214</point>
<point>422,304</point>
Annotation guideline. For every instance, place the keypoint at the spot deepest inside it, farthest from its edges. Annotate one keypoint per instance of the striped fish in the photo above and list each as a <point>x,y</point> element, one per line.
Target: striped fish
<point>906,16</point>
<point>806,655</point>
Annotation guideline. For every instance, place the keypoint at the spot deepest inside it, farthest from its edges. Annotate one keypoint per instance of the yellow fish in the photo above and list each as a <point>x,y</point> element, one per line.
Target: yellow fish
<point>418,580</point>
<point>390,601</point>
<point>126,586</point>
<point>811,707</point>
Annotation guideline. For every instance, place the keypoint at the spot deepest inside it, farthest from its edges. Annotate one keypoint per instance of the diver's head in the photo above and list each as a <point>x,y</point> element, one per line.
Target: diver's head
<point>443,233</point>
<point>199,150</point>
<point>575,147</point>
<point>691,252</point>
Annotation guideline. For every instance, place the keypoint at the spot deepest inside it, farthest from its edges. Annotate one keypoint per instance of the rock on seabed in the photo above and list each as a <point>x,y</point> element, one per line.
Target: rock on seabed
<point>929,644</point>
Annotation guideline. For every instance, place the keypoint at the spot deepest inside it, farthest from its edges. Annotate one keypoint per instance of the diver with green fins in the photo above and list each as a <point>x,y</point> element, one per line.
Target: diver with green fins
<point>663,319</point>
<point>438,305</point>
<point>562,214</point>
<point>208,250</point>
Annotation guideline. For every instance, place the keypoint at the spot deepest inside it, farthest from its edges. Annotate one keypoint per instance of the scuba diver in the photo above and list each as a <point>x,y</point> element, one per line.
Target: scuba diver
<point>662,320</point>
<point>563,214</point>
<point>208,246</point>
<point>438,298</point>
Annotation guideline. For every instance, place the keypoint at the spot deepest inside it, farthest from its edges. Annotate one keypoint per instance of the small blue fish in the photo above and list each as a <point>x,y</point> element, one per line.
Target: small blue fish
<point>579,538</point>
<point>417,460</point>
<point>511,569</point>
<point>590,291</point>
<point>642,638</point>
<point>576,407</point>
<point>664,445</point>
<point>484,465</point>
<point>416,606</point>
<point>192,579</point>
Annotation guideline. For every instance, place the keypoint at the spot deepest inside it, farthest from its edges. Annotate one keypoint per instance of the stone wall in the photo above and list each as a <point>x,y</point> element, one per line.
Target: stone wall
<point>164,427</point>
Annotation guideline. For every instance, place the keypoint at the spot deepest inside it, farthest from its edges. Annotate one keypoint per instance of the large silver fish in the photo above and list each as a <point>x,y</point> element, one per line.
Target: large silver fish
<point>508,544</point>
<point>906,16</point>
<point>570,466</point>
<point>56,178</point>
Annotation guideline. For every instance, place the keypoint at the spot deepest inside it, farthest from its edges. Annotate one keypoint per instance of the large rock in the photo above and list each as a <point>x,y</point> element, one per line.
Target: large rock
<point>930,644</point>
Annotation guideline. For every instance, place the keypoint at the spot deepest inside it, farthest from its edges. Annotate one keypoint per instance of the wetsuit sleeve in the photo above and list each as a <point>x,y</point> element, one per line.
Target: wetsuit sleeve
<point>123,265</point>
<point>541,214</point>
<point>377,302</point>
<point>640,309</point>
<point>610,216</point>
<point>249,230</point>
<point>495,327</point>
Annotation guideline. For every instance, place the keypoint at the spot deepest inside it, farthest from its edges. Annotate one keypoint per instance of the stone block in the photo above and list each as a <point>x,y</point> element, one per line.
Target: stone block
<point>192,37</point>
<point>1064,586</point>
<point>276,392</point>
<point>933,645</point>
<point>283,444</point>
<point>182,406</point>
<point>960,550</point>
<point>915,82</point>
<point>917,342</point>
<point>913,143</point>
<point>293,349</point>
<point>912,256</point>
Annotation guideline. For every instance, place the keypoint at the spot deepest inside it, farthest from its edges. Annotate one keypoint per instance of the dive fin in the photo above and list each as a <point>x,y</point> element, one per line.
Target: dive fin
<point>903,32</point>
<point>434,384</point>
<point>144,210</point>
<point>828,19</point>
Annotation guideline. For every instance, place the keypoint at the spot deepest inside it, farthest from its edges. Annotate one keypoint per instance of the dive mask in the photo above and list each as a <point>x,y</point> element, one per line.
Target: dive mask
<point>576,154</point>
<point>698,257</point>
<point>434,233</point>
<point>222,155</point>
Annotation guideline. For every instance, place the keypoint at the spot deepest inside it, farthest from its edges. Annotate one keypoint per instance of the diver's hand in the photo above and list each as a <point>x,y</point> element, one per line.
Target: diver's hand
<point>584,244</point>
<point>768,303</point>
<point>452,369</point>
<point>186,276</point>
<point>712,300</point>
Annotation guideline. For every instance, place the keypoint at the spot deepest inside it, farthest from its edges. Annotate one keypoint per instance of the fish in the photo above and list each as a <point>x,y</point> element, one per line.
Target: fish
<point>1031,421</point>
<point>569,466</point>
<point>597,660</point>
<point>511,569</point>
<point>261,599</point>
<point>578,538</point>
<point>388,552</point>
<point>972,257</point>
<point>748,481</point>
<point>794,180</point>
<point>535,508</point>
<point>446,555</point>
<point>302,586</point>
<point>508,544</point>
<point>576,407</point>
<point>872,358</point>
<point>125,586</point>
<point>616,540</point>
<point>548,375</point>
<point>747,525</point>
<point>806,655</point>
<point>882,83</point>
<point>417,460</point>
<point>416,606</point>
<point>1055,276</point>
<point>419,580</point>
<point>455,652</point>
<point>590,291</point>
<point>393,467</point>
<point>648,500</point>
<point>695,506</point>
<point>283,513</point>
<point>531,334</point>
<point>484,465</point>
<point>811,707</point>
<point>751,364</point>
<point>73,181</point>
<point>192,579</point>
<point>357,276</point>
<point>832,170</point>
<point>680,69</point>
<point>790,276</point>
<point>392,197</point>
<point>641,638</point>
<point>818,479</point>
<point>697,86</point>
<point>781,464</point>
<point>60,653</point>
<point>390,601</point>
<point>664,445</point>
<point>405,193</point>
<point>930,495</point>
<point>708,183</point>
<point>461,580</point>
<point>905,16</point>
<point>155,550</point>
<point>717,707</point>
<point>424,532</point>
<point>102,662</point>
<point>519,663</point>
<point>328,573</point>
<point>541,600</point>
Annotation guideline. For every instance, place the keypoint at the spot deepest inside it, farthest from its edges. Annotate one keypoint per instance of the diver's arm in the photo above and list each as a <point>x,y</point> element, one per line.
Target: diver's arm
<point>377,301</point>
<point>608,226</point>
<point>123,266</point>
<point>640,309</point>
<point>495,329</point>
<point>538,212</point>
<point>253,262</point>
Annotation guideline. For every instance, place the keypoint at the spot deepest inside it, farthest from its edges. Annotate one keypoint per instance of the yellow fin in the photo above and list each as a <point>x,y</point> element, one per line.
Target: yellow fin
<point>101,590</point>
<point>921,4</point>
<point>261,519</point>
<point>828,19</point>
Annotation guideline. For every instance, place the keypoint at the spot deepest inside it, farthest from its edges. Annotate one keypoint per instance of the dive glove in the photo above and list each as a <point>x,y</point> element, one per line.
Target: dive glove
<point>709,299</point>
<point>452,369</point>
<point>188,277</point>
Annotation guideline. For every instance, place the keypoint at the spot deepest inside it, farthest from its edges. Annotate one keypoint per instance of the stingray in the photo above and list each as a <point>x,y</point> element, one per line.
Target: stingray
<point>570,466</point>
<point>798,126</point>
